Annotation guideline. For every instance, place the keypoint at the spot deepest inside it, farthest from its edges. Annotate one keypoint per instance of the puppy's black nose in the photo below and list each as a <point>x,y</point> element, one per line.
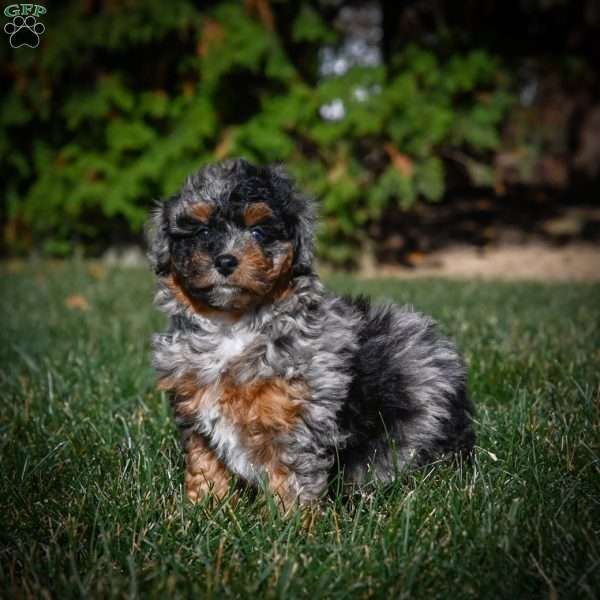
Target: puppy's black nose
<point>226,263</point>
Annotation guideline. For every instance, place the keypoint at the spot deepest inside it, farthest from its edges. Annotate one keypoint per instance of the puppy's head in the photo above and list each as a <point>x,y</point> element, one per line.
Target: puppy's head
<point>233,238</point>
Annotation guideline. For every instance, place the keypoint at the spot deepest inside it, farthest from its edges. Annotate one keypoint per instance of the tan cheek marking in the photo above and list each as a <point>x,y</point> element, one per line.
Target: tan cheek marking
<point>254,260</point>
<point>253,213</point>
<point>202,211</point>
<point>265,277</point>
<point>172,282</point>
<point>205,473</point>
<point>253,269</point>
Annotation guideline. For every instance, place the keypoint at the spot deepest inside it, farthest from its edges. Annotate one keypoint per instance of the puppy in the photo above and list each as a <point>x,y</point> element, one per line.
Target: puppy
<point>273,379</point>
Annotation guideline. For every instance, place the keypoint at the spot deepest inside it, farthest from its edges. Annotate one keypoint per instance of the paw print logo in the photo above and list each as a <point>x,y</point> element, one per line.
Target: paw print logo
<point>24,31</point>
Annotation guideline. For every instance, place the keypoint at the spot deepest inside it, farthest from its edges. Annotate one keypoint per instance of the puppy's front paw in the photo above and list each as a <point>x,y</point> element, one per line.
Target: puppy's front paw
<point>205,474</point>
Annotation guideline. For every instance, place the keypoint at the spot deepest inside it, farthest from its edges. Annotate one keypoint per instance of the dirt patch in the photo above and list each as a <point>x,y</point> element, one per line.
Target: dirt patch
<point>531,261</point>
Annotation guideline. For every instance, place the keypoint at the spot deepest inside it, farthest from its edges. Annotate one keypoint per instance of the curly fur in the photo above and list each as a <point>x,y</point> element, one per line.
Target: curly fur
<point>276,379</point>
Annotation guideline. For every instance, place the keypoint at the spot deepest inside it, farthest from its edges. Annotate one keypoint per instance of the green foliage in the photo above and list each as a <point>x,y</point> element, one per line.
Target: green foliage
<point>117,105</point>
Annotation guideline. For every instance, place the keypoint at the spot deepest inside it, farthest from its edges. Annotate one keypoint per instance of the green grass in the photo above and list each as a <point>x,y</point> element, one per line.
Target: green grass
<point>91,500</point>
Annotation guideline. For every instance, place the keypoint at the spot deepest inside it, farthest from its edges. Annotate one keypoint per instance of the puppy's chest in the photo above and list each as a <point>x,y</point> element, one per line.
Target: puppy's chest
<point>242,422</point>
<point>226,434</point>
<point>211,354</point>
<point>215,418</point>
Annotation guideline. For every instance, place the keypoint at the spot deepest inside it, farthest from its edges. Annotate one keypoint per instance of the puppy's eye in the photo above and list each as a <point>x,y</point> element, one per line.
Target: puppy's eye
<point>202,232</point>
<point>258,233</point>
<point>186,227</point>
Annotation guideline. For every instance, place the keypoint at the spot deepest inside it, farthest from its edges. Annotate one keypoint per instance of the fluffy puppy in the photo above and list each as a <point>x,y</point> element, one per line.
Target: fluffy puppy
<point>274,379</point>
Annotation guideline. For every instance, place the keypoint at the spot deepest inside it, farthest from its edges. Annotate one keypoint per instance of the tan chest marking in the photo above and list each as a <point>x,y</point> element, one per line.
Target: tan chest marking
<point>262,411</point>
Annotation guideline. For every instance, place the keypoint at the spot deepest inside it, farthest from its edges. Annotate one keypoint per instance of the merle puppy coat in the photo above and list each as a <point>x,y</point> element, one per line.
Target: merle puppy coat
<point>274,379</point>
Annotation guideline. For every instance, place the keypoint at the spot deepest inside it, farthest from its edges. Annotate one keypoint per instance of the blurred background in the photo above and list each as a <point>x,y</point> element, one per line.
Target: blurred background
<point>438,137</point>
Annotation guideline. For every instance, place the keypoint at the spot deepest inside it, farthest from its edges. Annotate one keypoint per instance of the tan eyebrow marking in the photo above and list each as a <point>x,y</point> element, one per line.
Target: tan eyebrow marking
<point>202,211</point>
<point>253,213</point>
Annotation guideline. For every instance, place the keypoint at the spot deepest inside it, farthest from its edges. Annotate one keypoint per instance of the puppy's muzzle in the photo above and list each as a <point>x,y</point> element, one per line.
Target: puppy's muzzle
<point>226,264</point>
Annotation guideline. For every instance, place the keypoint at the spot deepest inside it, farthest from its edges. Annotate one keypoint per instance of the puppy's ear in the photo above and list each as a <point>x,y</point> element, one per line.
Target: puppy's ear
<point>300,214</point>
<point>157,240</point>
<point>304,233</point>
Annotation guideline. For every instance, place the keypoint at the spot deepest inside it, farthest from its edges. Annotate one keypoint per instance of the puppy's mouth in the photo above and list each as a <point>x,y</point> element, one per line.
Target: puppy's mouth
<point>225,288</point>
<point>224,296</point>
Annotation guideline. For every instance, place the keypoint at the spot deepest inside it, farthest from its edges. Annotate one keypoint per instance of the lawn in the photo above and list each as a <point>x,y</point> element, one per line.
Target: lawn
<point>91,499</point>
